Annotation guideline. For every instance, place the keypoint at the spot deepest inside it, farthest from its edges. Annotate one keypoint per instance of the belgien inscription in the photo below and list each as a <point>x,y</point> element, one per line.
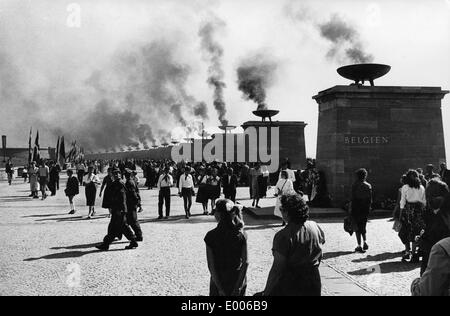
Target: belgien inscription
<point>366,140</point>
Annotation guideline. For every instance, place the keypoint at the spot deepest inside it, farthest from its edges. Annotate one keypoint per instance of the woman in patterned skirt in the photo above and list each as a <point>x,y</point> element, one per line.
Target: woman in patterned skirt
<point>412,210</point>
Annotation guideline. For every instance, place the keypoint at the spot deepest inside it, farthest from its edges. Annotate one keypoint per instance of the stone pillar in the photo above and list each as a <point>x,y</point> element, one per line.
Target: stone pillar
<point>291,140</point>
<point>386,130</point>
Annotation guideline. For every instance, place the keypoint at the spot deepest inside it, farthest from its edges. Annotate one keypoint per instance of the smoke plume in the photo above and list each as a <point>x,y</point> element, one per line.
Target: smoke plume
<point>214,53</point>
<point>345,41</point>
<point>256,74</point>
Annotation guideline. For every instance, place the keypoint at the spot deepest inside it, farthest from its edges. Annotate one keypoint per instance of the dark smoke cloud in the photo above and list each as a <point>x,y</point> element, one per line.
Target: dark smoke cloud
<point>108,127</point>
<point>214,53</point>
<point>346,43</point>
<point>201,110</point>
<point>255,75</point>
<point>175,109</point>
<point>343,37</point>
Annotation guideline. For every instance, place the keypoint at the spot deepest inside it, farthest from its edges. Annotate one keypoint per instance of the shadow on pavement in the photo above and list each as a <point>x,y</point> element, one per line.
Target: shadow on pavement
<point>386,267</point>
<point>43,215</point>
<point>15,199</point>
<point>72,254</point>
<point>380,257</point>
<point>86,246</point>
<point>331,255</point>
<point>72,219</point>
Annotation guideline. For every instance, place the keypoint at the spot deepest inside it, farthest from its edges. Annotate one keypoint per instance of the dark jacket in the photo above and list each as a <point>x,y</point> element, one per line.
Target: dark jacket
<point>72,187</point>
<point>229,186</point>
<point>118,196</point>
<point>132,193</point>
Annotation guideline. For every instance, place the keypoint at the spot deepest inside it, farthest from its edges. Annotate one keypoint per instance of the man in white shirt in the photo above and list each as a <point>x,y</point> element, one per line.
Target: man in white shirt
<point>165,182</point>
<point>185,190</point>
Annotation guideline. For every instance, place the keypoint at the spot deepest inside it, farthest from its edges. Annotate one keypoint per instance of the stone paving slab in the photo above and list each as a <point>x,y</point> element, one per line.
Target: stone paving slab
<point>43,248</point>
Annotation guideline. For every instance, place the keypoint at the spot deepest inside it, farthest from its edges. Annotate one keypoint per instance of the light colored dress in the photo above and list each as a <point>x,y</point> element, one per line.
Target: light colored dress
<point>34,183</point>
<point>283,187</point>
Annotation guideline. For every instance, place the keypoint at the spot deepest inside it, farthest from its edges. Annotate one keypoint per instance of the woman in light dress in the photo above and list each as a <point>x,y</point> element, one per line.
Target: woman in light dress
<point>34,183</point>
<point>284,186</point>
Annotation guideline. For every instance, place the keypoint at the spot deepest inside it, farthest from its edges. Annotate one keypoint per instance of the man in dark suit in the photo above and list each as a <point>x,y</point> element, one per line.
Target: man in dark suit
<point>230,183</point>
<point>118,224</point>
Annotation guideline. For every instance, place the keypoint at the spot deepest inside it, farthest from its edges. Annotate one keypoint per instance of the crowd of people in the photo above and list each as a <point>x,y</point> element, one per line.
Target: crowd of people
<point>421,217</point>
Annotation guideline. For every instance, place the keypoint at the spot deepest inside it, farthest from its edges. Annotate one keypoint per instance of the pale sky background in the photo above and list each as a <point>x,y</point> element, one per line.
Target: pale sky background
<point>52,59</point>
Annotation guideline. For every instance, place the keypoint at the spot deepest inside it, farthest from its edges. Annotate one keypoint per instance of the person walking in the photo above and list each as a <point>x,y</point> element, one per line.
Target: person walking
<point>412,208</point>
<point>202,192</point>
<point>90,182</point>
<point>230,183</point>
<point>106,186</point>
<point>53,178</point>
<point>72,189</point>
<point>226,251</point>
<point>284,186</point>
<point>9,169</point>
<point>361,204</point>
<point>44,176</point>
<point>133,201</point>
<point>118,224</point>
<point>297,252</point>
<point>33,173</point>
<point>81,170</point>
<point>256,185</point>
<point>165,182</point>
<point>213,185</point>
<point>186,189</point>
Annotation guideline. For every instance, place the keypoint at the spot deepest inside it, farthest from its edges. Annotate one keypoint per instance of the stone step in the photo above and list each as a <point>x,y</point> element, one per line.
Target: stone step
<point>267,212</point>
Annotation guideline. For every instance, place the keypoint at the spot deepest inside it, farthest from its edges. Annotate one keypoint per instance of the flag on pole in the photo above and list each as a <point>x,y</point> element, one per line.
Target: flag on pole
<point>30,150</point>
<point>57,150</point>
<point>37,149</point>
<point>62,153</point>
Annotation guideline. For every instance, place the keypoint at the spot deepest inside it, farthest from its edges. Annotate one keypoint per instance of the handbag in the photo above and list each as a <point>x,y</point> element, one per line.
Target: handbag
<point>397,226</point>
<point>348,225</point>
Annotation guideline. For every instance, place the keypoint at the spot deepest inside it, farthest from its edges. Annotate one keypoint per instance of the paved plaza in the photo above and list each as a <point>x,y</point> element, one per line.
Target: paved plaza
<point>45,251</point>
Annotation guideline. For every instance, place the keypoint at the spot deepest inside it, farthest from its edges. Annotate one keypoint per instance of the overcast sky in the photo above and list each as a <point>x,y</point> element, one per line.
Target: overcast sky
<point>45,63</point>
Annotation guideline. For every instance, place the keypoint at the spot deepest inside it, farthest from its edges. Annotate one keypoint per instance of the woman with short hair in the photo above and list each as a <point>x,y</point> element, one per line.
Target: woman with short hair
<point>72,189</point>
<point>226,251</point>
<point>361,203</point>
<point>297,252</point>
<point>90,182</point>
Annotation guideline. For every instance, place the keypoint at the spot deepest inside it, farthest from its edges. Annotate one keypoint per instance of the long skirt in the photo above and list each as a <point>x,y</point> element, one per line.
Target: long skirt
<point>91,192</point>
<point>360,214</point>
<point>412,219</point>
<point>34,184</point>
<point>202,194</point>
